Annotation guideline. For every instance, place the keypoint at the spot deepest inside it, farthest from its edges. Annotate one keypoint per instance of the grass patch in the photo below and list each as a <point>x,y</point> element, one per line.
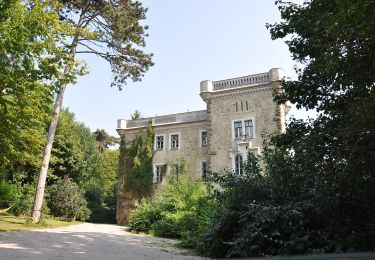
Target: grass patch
<point>13,223</point>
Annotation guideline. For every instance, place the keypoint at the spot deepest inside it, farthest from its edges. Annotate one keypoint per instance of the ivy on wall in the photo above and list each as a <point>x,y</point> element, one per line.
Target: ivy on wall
<point>136,159</point>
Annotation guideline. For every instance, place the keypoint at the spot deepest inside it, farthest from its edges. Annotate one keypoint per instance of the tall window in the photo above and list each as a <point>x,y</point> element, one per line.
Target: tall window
<point>204,138</point>
<point>203,170</point>
<point>238,164</point>
<point>158,174</point>
<point>248,129</point>
<point>238,130</point>
<point>175,141</point>
<point>159,143</point>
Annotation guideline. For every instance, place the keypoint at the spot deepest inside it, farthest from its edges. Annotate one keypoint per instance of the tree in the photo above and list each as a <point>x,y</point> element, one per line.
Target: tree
<point>104,140</point>
<point>101,189</point>
<point>31,58</point>
<point>110,30</point>
<point>316,190</point>
<point>136,115</point>
<point>334,43</point>
<point>67,201</point>
<point>74,154</point>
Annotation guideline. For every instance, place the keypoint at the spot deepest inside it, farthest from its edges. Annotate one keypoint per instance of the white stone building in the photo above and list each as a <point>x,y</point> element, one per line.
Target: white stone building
<point>239,111</point>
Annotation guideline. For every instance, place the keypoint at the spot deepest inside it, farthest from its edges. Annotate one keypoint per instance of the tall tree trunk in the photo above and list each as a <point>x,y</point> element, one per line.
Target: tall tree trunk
<point>38,201</point>
<point>39,194</point>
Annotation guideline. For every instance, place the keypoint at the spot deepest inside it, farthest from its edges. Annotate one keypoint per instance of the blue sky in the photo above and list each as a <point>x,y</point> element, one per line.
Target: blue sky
<point>192,40</point>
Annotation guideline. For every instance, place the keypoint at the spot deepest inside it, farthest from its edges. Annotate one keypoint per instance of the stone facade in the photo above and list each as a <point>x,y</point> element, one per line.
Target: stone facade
<point>239,111</point>
<point>188,126</point>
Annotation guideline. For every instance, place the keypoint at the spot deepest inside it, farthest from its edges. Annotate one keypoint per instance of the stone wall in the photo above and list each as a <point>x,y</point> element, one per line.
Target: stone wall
<point>255,104</point>
<point>189,150</point>
<point>244,98</point>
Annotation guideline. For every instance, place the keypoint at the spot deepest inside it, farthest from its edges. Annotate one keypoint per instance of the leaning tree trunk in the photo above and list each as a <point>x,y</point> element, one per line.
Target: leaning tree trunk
<point>38,201</point>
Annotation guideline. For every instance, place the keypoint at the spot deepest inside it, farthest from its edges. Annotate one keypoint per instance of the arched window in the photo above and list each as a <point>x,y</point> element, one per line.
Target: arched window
<point>238,164</point>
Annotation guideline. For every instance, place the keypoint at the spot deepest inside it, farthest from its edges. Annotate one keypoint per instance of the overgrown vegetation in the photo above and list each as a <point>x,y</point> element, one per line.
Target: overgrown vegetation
<point>183,210</point>
<point>90,176</point>
<point>67,201</point>
<point>135,180</point>
<point>315,190</point>
<point>38,41</point>
<point>101,189</point>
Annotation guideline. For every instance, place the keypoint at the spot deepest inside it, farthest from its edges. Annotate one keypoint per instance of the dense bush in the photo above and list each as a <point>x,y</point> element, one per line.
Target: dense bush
<point>67,202</point>
<point>101,188</point>
<point>6,191</point>
<point>293,207</point>
<point>19,197</point>
<point>102,204</point>
<point>183,211</point>
<point>23,199</point>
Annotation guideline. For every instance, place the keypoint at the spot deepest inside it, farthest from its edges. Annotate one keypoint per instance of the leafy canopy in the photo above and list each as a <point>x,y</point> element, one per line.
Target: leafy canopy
<point>115,33</point>
<point>74,154</point>
<point>32,55</point>
<point>334,43</point>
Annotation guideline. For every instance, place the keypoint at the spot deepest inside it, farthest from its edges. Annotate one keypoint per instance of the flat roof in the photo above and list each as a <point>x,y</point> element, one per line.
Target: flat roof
<point>179,118</point>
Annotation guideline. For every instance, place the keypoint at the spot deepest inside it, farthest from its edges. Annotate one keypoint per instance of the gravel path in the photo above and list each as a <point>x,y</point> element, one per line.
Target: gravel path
<point>86,241</point>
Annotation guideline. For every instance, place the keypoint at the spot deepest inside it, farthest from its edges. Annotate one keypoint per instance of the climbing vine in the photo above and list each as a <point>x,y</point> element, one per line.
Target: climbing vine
<point>136,165</point>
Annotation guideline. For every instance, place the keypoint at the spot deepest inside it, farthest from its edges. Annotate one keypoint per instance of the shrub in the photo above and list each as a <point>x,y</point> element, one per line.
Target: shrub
<point>147,213</point>
<point>20,197</point>
<point>6,192</point>
<point>23,199</point>
<point>67,202</point>
<point>293,207</point>
<point>183,211</point>
<point>102,204</point>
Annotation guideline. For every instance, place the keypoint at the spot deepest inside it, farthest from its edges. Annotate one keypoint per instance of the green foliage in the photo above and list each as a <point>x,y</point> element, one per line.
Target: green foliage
<point>136,115</point>
<point>112,30</point>
<point>136,165</point>
<point>333,154</point>
<point>254,219</point>
<point>31,58</point>
<point>300,204</point>
<point>6,191</point>
<point>146,214</point>
<point>67,202</point>
<point>183,211</point>
<point>102,187</point>
<point>22,200</point>
<point>104,140</point>
<point>20,197</point>
<point>334,43</point>
<point>74,154</point>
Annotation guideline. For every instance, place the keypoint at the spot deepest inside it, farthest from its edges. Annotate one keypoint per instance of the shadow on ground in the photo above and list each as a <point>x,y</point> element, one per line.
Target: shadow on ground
<point>72,244</point>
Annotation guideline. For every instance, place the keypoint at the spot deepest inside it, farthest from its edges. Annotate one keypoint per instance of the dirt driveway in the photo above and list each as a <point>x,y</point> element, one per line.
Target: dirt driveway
<point>86,241</point>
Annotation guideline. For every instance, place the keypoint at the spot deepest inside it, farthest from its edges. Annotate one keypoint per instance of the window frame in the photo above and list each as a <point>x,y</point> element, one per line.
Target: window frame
<point>156,142</point>
<point>250,127</point>
<point>235,131</point>
<point>201,143</point>
<point>243,130</point>
<point>158,178</point>
<point>238,164</point>
<point>203,171</point>
<point>178,141</point>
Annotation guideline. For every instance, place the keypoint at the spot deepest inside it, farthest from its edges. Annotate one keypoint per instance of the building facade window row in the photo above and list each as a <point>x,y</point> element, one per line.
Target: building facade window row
<point>174,140</point>
<point>158,171</point>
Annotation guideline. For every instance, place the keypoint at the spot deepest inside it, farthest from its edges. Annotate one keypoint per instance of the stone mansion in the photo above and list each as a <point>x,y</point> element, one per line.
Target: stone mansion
<point>239,111</point>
